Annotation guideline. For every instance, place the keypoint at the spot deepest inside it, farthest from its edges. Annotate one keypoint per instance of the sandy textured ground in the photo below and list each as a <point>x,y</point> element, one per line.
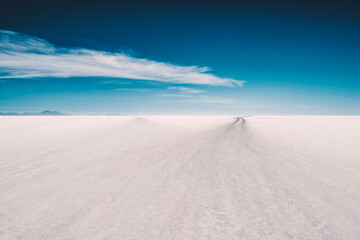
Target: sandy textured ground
<point>260,177</point>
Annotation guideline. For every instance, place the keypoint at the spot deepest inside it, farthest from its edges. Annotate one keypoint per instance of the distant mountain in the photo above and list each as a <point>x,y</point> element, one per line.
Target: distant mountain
<point>52,113</point>
<point>43,113</point>
<point>113,114</point>
<point>9,114</point>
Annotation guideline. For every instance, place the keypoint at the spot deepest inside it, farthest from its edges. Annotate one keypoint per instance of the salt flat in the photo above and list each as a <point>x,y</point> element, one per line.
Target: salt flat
<point>180,177</point>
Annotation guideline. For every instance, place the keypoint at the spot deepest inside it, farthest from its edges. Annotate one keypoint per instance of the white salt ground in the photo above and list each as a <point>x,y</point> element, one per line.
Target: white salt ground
<point>180,177</point>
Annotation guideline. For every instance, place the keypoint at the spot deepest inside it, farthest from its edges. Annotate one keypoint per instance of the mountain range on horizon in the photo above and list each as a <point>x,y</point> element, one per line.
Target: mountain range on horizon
<point>43,113</point>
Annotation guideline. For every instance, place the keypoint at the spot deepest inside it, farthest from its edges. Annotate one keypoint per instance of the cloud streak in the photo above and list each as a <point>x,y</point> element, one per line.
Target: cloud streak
<point>23,56</point>
<point>187,90</point>
<point>204,99</point>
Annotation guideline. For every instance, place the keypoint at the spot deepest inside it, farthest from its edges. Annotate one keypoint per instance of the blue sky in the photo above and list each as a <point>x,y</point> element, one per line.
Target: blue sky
<point>248,58</point>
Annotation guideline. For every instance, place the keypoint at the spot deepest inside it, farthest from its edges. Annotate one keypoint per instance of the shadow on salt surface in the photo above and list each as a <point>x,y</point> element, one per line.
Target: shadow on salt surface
<point>196,123</point>
<point>238,122</point>
<point>143,122</point>
<point>234,129</point>
<point>147,128</point>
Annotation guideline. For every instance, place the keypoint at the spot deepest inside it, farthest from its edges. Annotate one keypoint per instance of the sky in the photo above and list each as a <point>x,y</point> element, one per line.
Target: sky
<point>180,57</point>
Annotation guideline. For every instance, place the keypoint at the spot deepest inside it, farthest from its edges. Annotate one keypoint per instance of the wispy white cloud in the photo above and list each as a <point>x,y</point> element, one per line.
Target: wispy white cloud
<point>187,90</point>
<point>131,90</point>
<point>113,82</point>
<point>192,95</point>
<point>210,99</point>
<point>202,99</point>
<point>23,56</point>
<point>174,95</point>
